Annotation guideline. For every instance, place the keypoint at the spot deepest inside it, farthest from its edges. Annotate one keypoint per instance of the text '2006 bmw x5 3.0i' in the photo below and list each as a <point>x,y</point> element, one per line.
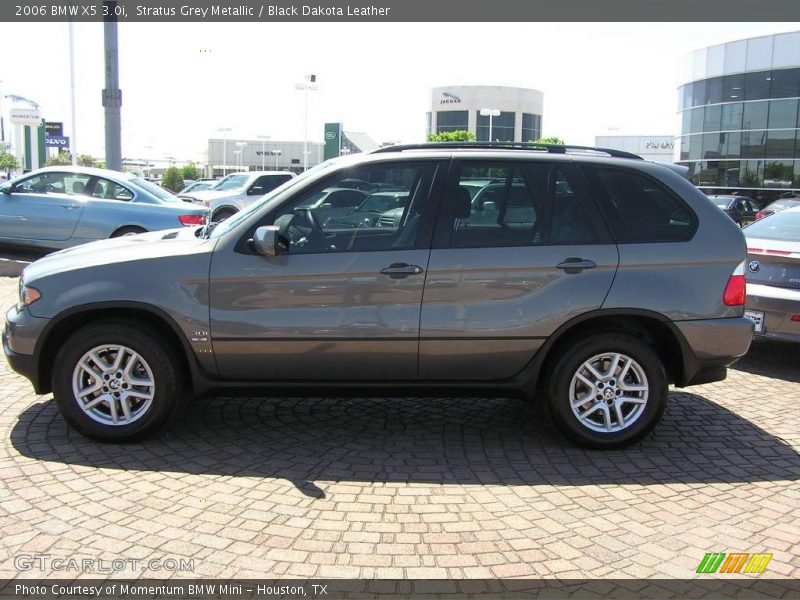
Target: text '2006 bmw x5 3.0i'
<point>591,279</point>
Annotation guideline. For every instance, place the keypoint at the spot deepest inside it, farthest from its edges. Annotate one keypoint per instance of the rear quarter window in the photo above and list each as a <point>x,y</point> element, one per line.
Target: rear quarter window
<point>639,208</point>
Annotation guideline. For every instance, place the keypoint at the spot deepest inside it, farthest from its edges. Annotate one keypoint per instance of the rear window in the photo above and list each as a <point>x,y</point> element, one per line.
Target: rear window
<point>640,209</point>
<point>780,226</point>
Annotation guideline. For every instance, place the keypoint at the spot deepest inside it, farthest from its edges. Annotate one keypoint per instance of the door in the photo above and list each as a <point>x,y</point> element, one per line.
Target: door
<point>46,206</point>
<point>339,302</point>
<point>510,264</point>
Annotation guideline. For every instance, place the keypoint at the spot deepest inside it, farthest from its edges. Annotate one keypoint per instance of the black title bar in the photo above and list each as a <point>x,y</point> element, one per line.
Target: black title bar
<point>218,11</point>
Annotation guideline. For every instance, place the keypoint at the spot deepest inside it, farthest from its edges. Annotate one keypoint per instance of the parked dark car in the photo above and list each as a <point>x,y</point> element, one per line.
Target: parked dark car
<point>773,271</point>
<point>368,212</point>
<point>610,279</point>
<point>739,208</point>
<point>777,206</point>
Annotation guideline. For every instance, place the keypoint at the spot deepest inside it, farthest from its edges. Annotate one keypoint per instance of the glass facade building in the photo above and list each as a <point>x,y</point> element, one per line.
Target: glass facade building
<point>458,108</point>
<point>739,111</point>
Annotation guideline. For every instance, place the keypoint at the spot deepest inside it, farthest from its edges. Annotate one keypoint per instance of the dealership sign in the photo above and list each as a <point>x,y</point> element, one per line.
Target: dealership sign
<point>56,141</point>
<point>659,144</point>
<point>448,98</point>
<point>25,116</point>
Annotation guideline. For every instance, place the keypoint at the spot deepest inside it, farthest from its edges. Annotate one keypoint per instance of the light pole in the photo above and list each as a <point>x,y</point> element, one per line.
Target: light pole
<point>309,83</point>
<point>241,146</point>
<point>490,112</point>
<point>276,154</point>
<point>148,168</point>
<point>263,139</point>
<point>344,150</point>
<point>237,154</point>
<point>224,131</point>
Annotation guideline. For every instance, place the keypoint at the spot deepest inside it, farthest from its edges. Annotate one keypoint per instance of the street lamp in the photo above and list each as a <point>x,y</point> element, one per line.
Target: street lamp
<point>223,131</point>
<point>490,112</point>
<point>276,154</point>
<point>241,146</point>
<point>263,139</point>
<point>309,83</point>
<point>344,150</point>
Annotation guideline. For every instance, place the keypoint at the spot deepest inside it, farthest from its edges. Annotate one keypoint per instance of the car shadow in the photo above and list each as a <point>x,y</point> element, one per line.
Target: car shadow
<point>432,440</point>
<point>770,358</point>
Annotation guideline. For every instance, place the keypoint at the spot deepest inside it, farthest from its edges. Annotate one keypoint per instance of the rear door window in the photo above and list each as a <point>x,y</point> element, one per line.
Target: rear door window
<point>640,209</point>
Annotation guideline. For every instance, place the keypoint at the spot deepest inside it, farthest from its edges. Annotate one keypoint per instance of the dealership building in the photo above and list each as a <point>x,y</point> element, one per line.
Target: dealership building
<point>517,112</point>
<point>659,148</point>
<point>739,117</point>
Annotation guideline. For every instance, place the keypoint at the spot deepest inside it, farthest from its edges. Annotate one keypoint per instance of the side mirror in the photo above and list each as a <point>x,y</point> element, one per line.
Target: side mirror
<point>266,240</point>
<point>5,188</point>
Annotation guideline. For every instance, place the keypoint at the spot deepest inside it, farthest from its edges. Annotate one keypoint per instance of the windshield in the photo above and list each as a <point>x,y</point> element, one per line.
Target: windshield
<point>155,190</point>
<point>233,221</point>
<point>380,203</point>
<point>780,226</point>
<point>231,182</point>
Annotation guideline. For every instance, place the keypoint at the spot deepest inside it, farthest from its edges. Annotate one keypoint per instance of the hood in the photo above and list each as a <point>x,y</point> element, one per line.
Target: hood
<point>206,196</point>
<point>128,248</point>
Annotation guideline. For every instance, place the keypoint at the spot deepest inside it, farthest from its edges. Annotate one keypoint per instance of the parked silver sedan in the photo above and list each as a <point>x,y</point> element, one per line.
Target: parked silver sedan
<point>773,275</point>
<point>58,207</point>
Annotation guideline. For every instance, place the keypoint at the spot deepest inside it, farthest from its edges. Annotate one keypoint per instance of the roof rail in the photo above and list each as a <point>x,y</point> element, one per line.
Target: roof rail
<point>551,148</point>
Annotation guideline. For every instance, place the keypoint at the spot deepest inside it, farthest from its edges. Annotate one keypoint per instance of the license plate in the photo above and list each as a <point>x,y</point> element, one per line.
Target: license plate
<point>757,317</point>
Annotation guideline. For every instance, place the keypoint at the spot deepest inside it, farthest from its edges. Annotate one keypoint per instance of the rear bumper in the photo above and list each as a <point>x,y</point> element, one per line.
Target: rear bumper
<point>712,345</point>
<point>778,306</point>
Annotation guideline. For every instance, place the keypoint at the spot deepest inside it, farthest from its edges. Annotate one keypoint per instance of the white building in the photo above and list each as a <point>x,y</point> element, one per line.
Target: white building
<point>650,147</point>
<point>457,108</point>
<point>232,155</point>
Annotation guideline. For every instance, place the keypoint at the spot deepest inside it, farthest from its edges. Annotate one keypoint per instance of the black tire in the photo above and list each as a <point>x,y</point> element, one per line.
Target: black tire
<point>568,366</point>
<point>130,230</point>
<point>156,357</point>
<point>222,214</point>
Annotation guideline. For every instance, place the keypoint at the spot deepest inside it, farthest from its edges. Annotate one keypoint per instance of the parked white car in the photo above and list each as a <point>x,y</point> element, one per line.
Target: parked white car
<point>237,191</point>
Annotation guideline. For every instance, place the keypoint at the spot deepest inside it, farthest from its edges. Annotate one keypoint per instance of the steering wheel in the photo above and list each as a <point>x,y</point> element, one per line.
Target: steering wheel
<point>305,230</point>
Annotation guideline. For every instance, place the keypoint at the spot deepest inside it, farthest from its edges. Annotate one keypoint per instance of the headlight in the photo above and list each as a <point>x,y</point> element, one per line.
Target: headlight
<point>28,295</point>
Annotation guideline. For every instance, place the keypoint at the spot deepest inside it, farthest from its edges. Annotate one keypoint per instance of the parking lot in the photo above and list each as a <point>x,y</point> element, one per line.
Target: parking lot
<point>410,487</point>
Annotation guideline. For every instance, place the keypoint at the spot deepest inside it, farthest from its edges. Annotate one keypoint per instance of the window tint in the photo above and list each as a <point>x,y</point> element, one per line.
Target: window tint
<point>388,218</point>
<point>108,190</point>
<point>515,205</point>
<point>266,183</point>
<point>53,183</point>
<point>640,209</point>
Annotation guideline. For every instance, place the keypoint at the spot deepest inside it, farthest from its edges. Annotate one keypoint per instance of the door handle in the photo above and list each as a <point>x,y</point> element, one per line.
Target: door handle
<point>71,206</point>
<point>401,270</point>
<point>576,265</point>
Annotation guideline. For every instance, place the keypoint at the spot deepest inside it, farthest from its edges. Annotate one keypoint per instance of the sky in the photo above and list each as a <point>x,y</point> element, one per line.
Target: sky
<point>181,82</point>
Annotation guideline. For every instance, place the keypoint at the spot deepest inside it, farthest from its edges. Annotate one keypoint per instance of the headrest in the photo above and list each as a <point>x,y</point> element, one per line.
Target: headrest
<point>462,203</point>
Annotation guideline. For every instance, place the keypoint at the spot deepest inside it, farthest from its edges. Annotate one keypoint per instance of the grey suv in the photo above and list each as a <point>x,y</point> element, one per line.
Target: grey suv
<point>592,279</point>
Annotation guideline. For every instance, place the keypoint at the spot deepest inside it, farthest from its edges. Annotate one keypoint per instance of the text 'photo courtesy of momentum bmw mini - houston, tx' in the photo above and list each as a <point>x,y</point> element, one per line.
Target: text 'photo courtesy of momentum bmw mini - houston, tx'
<point>587,279</point>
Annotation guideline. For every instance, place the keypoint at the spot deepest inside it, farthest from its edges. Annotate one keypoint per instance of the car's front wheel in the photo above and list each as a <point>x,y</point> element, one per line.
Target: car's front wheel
<point>115,382</point>
<point>607,391</point>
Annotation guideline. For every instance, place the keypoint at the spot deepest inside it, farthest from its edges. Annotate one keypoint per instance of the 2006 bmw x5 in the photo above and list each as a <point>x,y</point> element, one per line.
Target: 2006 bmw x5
<point>591,279</point>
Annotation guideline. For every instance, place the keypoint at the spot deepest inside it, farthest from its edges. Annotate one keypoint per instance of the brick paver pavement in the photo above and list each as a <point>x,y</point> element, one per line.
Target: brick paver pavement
<point>411,487</point>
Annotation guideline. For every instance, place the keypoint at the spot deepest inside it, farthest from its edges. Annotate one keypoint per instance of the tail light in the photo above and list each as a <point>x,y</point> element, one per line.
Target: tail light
<point>735,292</point>
<point>760,215</point>
<point>192,220</point>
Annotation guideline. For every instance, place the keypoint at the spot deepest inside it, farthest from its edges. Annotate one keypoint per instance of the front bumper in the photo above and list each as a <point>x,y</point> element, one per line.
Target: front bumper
<point>778,305</point>
<point>712,345</point>
<point>20,334</point>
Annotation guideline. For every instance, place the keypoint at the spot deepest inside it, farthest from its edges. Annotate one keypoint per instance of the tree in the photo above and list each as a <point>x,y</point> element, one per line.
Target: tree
<point>63,157</point>
<point>8,161</point>
<point>190,171</point>
<point>550,140</point>
<point>172,180</point>
<point>452,136</point>
<point>86,160</point>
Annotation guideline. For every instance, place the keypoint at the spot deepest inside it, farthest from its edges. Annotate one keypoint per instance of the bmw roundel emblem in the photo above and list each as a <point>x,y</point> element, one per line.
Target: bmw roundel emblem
<point>754,265</point>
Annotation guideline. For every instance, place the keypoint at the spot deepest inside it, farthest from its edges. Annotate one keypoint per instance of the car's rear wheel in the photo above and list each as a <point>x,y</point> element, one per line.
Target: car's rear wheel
<point>607,391</point>
<point>131,230</point>
<point>222,214</point>
<point>115,382</point>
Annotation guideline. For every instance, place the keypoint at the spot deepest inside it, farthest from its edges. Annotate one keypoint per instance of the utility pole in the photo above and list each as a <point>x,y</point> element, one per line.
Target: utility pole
<point>112,95</point>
